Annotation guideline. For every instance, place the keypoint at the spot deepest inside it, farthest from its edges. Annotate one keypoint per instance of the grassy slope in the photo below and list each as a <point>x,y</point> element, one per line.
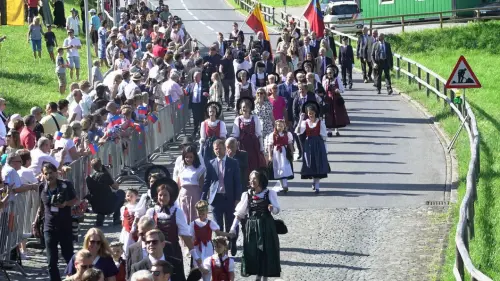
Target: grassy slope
<point>439,51</point>
<point>289,3</point>
<point>25,82</point>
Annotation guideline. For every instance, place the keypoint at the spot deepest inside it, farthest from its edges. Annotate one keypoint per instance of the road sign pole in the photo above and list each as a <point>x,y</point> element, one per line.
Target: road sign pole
<point>463,103</point>
<point>455,137</point>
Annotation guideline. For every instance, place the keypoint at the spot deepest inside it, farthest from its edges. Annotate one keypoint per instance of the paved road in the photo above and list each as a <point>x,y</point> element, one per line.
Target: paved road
<point>370,222</point>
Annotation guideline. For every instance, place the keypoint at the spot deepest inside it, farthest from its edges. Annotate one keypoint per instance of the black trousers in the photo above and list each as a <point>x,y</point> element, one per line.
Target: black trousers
<point>52,239</point>
<point>229,84</point>
<point>223,212</point>
<point>117,202</point>
<point>383,68</point>
<point>346,71</point>
<point>198,110</point>
<point>364,65</point>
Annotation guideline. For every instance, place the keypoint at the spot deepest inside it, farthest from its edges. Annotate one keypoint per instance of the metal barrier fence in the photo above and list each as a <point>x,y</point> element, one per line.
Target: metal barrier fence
<point>465,227</point>
<point>17,216</point>
<point>267,11</point>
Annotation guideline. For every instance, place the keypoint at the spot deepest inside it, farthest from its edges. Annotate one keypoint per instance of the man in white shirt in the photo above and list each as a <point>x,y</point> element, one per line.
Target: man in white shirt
<point>74,45</point>
<point>171,87</point>
<point>75,109</point>
<point>10,176</point>
<point>133,87</point>
<point>73,22</point>
<point>42,154</point>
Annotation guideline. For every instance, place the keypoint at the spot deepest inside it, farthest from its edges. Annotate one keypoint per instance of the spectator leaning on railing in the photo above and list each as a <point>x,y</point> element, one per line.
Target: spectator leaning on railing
<point>10,176</point>
<point>41,154</point>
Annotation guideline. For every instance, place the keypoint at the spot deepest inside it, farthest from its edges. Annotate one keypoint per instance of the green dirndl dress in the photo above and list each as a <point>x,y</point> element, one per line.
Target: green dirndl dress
<point>261,246</point>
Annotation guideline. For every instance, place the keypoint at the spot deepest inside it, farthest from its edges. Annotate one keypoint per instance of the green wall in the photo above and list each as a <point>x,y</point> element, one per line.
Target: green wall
<point>374,8</point>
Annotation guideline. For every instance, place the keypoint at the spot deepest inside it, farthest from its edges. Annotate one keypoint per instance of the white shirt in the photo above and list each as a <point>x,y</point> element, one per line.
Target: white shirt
<point>244,65</point>
<point>179,164</point>
<point>203,134</point>
<point>302,127</point>
<point>38,157</point>
<point>130,89</point>
<point>180,218</point>
<point>153,260</point>
<point>66,144</point>
<point>172,89</point>
<point>197,92</point>
<point>74,24</point>
<point>10,176</point>
<point>73,52</point>
<point>3,129</point>
<point>190,175</point>
<point>27,176</point>
<point>207,263</point>
<point>76,108</point>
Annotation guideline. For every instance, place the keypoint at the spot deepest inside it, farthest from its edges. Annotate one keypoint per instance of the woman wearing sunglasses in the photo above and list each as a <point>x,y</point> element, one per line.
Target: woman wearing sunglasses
<point>83,261</point>
<point>101,258</point>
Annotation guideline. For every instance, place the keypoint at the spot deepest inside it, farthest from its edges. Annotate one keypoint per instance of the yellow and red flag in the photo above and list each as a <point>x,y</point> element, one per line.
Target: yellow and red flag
<point>256,21</point>
<point>11,12</point>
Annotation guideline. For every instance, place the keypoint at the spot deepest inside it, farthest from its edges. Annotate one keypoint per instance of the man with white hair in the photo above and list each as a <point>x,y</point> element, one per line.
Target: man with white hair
<point>42,154</point>
<point>142,275</point>
<point>264,44</point>
<point>171,88</point>
<point>10,176</point>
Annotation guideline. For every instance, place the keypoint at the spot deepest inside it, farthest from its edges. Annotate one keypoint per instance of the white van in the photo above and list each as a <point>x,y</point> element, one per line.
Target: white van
<point>337,12</point>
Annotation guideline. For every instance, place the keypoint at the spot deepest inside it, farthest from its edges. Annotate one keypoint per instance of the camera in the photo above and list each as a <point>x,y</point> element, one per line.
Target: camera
<point>57,199</point>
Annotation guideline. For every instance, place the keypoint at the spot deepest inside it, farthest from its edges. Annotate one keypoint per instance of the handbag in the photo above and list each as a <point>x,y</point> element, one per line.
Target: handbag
<point>280,226</point>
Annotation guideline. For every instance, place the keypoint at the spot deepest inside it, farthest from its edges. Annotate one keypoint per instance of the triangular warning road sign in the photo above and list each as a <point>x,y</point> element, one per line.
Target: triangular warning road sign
<point>462,76</point>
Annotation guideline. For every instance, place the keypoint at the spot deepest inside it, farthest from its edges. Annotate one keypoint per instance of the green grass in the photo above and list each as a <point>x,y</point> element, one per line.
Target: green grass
<point>25,82</point>
<point>439,51</point>
<point>289,3</point>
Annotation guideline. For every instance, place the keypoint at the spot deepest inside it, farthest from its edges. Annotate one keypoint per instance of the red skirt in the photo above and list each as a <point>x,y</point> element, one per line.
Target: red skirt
<point>336,116</point>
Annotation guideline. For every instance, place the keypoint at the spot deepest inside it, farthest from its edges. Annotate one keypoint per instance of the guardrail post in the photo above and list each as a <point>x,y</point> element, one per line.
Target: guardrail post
<point>409,71</point>
<point>471,218</point>
<point>371,26</point>
<point>437,87</point>
<point>419,73</point>
<point>452,97</point>
<point>441,20</point>
<point>398,64</point>
<point>427,80</point>
<point>274,22</point>
<point>403,23</point>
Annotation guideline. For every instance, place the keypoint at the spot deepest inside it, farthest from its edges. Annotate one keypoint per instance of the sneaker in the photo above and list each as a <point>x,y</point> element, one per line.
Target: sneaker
<point>365,81</point>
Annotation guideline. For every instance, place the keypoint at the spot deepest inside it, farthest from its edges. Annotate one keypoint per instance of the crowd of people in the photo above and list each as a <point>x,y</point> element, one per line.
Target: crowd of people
<point>287,103</point>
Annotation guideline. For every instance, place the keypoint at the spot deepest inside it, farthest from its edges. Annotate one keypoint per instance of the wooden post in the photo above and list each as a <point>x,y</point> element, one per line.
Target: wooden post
<point>409,71</point>
<point>371,27</point>
<point>274,21</point>
<point>427,80</point>
<point>403,23</point>
<point>437,87</point>
<point>398,64</point>
<point>452,97</point>
<point>441,20</point>
<point>419,72</point>
<point>460,264</point>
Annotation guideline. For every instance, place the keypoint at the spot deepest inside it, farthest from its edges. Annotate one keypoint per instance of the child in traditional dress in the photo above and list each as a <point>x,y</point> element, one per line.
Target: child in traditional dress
<point>281,153</point>
<point>117,254</point>
<point>314,162</point>
<point>127,216</point>
<point>219,265</point>
<point>202,229</point>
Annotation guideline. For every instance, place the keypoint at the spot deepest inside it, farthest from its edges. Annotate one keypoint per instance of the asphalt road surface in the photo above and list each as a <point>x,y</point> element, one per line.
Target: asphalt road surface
<point>371,220</point>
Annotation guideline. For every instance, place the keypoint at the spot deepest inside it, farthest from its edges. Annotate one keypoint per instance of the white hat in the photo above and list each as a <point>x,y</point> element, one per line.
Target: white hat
<point>92,11</point>
<point>162,30</point>
<point>13,118</point>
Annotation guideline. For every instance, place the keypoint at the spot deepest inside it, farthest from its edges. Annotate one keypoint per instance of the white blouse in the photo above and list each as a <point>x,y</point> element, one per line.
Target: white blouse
<point>236,126</point>
<point>190,175</point>
<point>301,128</point>
<point>270,138</point>
<point>180,218</point>
<point>203,135</point>
<point>213,225</point>
<point>241,209</point>
<point>240,86</point>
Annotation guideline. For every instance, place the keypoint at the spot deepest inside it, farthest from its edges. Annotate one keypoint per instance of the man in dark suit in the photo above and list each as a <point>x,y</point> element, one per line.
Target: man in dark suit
<point>222,45</point>
<point>288,90</point>
<point>241,156</point>
<point>346,60</point>
<point>301,98</point>
<point>155,245</point>
<point>330,42</point>
<point>137,251</point>
<point>268,64</point>
<point>222,188</point>
<point>198,98</point>
<point>382,62</point>
<point>322,61</point>
<point>314,44</point>
<point>213,57</point>
<point>364,41</point>
<point>162,270</point>
<point>265,44</point>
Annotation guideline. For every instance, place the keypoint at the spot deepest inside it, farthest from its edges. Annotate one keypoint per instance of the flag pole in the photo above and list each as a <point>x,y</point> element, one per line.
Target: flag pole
<point>249,14</point>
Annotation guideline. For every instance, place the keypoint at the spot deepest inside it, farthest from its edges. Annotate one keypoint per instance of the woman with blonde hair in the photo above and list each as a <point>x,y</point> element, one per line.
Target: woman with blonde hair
<point>98,246</point>
<point>216,90</point>
<point>294,55</point>
<point>329,51</point>
<point>264,110</point>
<point>35,34</point>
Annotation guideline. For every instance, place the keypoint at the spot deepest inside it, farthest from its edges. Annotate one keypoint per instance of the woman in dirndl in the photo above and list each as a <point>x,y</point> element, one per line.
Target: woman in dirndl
<point>190,180</point>
<point>244,89</point>
<point>281,154</point>
<point>170,219</point>
<point>211,130</point>
<point>248,131</point>
<point>335,114</point>
<point>259,77</point>
<point>261,246</point>
<point>314,161</point>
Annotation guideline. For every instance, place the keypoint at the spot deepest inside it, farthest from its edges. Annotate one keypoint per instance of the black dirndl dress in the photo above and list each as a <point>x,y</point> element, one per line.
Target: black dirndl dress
<point>261,245</point>
<point>212,134</point>
<point>315,160</point>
